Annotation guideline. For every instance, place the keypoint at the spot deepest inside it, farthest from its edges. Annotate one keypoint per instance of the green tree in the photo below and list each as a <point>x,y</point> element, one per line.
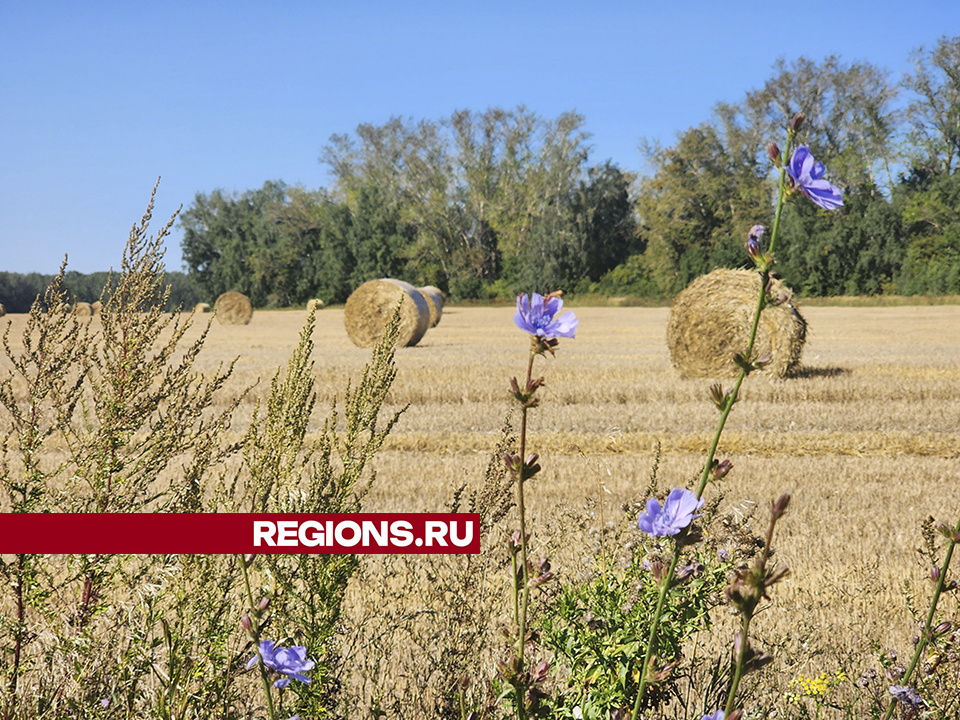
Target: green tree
<point>17,291</point>
<point>856,250</point>
<point>377,237</point>
<point>85,287</point>
<point>402,172</point>
<point>237,242</point>
<point>929,203</point>
<point>696,208</point>
<point>934,113</point>
<point>537,227</point>
<point>604,222</point>
<point>488,194</point>
<point>316,226</point>
<point>183,291</point>
<point>932,265</point>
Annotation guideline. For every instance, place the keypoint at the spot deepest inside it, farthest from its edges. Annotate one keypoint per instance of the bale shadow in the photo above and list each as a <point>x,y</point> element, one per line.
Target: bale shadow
<point>804,372</point>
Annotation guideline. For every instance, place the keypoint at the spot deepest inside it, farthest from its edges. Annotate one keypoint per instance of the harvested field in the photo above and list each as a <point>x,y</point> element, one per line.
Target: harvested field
<point>866,436</point>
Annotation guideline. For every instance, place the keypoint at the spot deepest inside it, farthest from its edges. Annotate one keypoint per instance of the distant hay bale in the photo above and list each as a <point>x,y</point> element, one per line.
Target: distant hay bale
<point>710,323</point>
<point>233,308</point>
<point>201,308</point>
<point>314,305</point>
<point>435,299</point>
<point>3,310</point>
<point>371,306</point>
<point>96,307</point>
<point>82,309</point>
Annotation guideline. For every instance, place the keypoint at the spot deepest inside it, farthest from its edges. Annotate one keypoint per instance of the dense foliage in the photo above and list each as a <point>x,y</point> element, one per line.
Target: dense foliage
<point>475,204</point>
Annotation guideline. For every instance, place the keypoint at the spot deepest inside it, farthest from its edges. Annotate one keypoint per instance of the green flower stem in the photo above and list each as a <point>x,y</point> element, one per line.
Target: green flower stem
<point>522,513</point>
<point>781,196</point>
<point>741,664</point>
<point>256,640</point>
<point>655,626</point>
<point>927,626</point>
<point>711,454</point>
<point>521,582</point>
<point>516,590</point>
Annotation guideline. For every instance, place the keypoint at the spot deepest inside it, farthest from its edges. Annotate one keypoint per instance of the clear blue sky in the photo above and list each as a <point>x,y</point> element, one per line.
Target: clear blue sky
<point>98,99</point>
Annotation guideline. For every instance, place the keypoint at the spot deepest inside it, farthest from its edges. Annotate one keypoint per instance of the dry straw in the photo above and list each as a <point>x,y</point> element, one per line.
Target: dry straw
<point>233,308</point>
<point>371,306</point>
<point>83,309</point>
<point>710,323</point>
<point>201,308</point>
<point>434,298</point>
<point>316,304</point>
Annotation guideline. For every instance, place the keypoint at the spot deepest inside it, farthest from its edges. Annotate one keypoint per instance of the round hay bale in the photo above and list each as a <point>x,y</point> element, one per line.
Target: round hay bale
<point>96,307</point>
<point>314,305</point>
<point>83,309</point>
<point>710,323</point>
<point>371,306</point>
<point>233,308</point>
<point>434,298</point>
<point>201,308</point>
<point>3,310</point>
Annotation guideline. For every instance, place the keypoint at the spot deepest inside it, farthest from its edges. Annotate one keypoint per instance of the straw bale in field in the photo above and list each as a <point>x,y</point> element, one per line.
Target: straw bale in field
<point>83,309</point>
<point>233,308</point>
<point>96,307</point>
<point>372,304</point>
<point>314,305</point>
<point>710,323</point>
<point>201,308</point>
<point>434,298</point>
<point>3,310</point>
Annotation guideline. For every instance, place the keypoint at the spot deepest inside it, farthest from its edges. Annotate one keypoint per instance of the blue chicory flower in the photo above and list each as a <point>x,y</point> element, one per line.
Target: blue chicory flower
<point>718,715</point>
<point>677,513</point>
<point>292,662</point>
<point>907,696</point>
<point>536,317</point>
<point>807,173</point>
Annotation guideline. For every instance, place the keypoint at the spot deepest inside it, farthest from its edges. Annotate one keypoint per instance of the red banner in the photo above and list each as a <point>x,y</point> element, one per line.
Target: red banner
<point>240,533</point>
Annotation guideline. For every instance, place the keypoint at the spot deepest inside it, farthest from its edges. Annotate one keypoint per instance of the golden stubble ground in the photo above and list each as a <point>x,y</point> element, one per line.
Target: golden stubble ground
<point>866,439</point>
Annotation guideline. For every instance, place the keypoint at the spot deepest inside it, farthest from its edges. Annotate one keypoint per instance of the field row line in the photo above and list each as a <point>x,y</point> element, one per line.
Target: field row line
<point>807,443</point>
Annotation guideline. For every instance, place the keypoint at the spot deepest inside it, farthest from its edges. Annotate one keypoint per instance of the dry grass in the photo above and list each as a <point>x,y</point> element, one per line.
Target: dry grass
<point>866,437</point>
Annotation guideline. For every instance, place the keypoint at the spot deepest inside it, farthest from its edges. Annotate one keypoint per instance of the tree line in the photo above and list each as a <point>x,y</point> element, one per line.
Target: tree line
<point>477,204</point>
<point>19,290</point>
<point>489,204</point>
